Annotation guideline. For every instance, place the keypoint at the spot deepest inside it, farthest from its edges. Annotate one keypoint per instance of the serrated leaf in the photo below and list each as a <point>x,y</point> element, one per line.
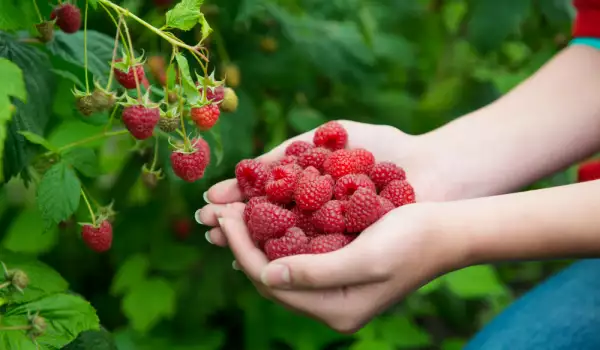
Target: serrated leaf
<point>33,115</point>
<point>38,140</point>
<point>58,193</point>
<point>185,15</point>
<point>66,316</point>
<point>189,88</point>
<point>131,273</point>
<point>149,302</point>
<point>43,280</point>
<point>14,86</point>
<point>84,160</point>
<point>73,131</point>
<point>206,29</point>
<point>26,234</point>
<point>461,282</point>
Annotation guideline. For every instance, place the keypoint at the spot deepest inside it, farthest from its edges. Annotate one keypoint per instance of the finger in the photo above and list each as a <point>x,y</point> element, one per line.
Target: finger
<point>248,256</point>
<point>224,192</point>
<point>215,236</point>
<point>207,215</point>
<point>354,264</point>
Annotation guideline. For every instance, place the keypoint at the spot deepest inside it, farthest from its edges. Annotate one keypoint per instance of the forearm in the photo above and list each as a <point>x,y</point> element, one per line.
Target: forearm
<point>545,124</point>
<point>560,222</point>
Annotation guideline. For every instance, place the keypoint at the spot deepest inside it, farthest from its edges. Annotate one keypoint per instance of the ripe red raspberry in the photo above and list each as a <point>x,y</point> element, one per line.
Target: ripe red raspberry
<point>293,242</point>
<point>252,176</point>
<point>385,206</point>
<point>385,172</point>
<point>253,202</point>
<point>309,173</point>
<point>268,221</point>
<point>346,185</point>
<point>330,217</point>
<point>589,171</point>
<point>343,162</point>
<point>189,165</point>
<point>304,221</point>
<point>205,117</point>
<point>68,17</point>
<point>314,157</point>
<point>127,78</point>
<point>282,183</point>
<point>399,192</point>
<point>213,94</point>
<point>99,238</point>
<point>296,148</point>
<point>331,135</point>
<point>312,194</point>
<point>362,210</point>
<point>327,243</point>
<point>141,120</point>
<point>350,237</point>
<point>363,160</point>
<point>285,161</point>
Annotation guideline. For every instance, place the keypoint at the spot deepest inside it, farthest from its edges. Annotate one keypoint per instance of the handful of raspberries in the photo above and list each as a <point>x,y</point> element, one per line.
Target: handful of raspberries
<point>319,196</point>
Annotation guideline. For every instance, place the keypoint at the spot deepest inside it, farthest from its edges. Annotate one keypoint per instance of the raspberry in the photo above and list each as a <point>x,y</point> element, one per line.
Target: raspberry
<point>327,243</point>
<point>309,173</point>
<point>268,220</point>
<point>330,217</point>
<point>331,135</point>
<point>98,238</point>
<point>85,105</point>
<point>343,162</point>
<point>168,124</point>
<point>293,242</point>
<point>253,202</point>
<point>190,165</point>
<point>362,210</point>
<point>282,183</point>
<point>19,279</point>
<point>363,160</point>
<point>311,194</point>
<point>285,161</point>
<point>296,148</point>
<point>252,177</point>
<point>126,77</point>
<point>68,17</point>
<point>347,184</point>
<point>350,237</point>
<point>304,221</point>
<point>230,101</point>
<point>385,206</point>
<point>205,117</point>
<point>385,172</point>
<point>589,171</point>
<point>314,157</point>
<point>213,94</point>
<point>141,120</point>
<point>46,31</point>
<point>399,192</point>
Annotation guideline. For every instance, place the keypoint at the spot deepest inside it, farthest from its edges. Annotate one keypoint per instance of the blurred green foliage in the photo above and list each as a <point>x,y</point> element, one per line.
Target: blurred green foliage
<point>412,64</point>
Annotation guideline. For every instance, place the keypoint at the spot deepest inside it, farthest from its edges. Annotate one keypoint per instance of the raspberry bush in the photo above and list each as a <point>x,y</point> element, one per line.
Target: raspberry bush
<point>116,115</point>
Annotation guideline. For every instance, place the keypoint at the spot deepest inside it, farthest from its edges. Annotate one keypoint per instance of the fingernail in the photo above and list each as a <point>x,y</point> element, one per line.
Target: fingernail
<point>205,197</point>
<point>220,220</point>
<point>275,275</point>
<point>197,217</point>
<point>207,236</point>
<point>235,265</point>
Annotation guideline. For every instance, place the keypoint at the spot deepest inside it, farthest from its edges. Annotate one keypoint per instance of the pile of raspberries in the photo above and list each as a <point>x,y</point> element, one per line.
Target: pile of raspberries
<point>319,196</point>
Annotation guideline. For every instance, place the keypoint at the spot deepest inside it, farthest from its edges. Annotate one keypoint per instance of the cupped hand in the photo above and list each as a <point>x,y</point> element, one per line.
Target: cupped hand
<point>346,288</point>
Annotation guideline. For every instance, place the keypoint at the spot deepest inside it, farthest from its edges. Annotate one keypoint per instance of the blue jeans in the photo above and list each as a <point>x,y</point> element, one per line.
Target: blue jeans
<point>562,313</point>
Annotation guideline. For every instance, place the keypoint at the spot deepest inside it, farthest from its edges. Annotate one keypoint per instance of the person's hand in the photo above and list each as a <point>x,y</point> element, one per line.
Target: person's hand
<point>346,288</point>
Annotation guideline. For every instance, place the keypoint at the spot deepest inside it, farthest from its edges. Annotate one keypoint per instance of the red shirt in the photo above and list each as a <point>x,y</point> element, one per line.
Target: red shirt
<point>587,21</point>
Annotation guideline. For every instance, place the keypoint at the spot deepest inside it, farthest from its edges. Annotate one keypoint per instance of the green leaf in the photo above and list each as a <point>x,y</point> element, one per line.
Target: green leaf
<point>26,234</point>
<point>370,344</point>
<point>206,29</point>
<point>430,287</point>
<point>93,3</point>
<point>303,119</point>
<point>149,302</point>
<point>486,34</point>
<point>16,15</point>
<point>43,280</point>
<point>453,344</point>
<point>131,273</point>
<point>557,11</point>
<point>84,160</point>
<point>474,282</point>
<point>66,316</point>
<point>14,85</point>
<point>453,14</point>
<point>73,131</point>
<point>189,88</point>
<point>31,116</point>
<point>38,140</point>
<point>93,340</point>
<point>58,193</point>
<point>185,15</point>
<point>411,335</point>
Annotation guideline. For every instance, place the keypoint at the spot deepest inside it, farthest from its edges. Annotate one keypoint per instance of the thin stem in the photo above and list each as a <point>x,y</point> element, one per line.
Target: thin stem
<point>110,120</point>
<point>16,328</point>
<point>155,154</point>
<point>181,112</point>
<point>37,10</point>
<point>89,139</point>
<point>123,41</point>
<point>132,60</point>
<point>87,203</point>
<point>85,53</point>
<point>5,284</point>
<point>114,55</point>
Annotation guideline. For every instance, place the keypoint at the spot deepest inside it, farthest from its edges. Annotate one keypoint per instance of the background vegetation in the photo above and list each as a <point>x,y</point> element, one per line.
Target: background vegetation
<point>412,64</point>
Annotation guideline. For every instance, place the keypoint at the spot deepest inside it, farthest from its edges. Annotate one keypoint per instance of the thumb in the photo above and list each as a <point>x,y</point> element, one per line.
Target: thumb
<point>350,265</point>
